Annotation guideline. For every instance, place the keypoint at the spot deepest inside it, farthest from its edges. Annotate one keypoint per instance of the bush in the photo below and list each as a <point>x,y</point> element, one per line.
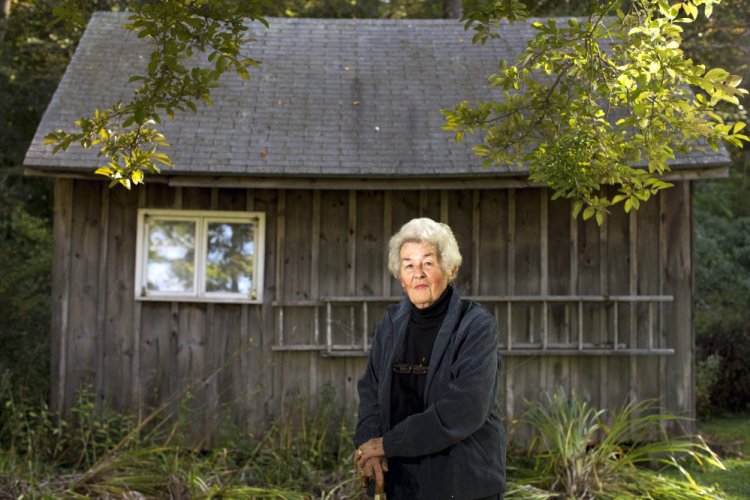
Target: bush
<point>731,391</point>
<point>722,289</point>
<point>25,260</point>
<point>707,373</point>
<point>583,452</point>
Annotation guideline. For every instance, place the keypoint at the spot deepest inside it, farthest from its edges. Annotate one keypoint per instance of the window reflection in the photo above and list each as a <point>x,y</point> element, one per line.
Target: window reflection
<point>171,255</point>
<point>229,257</point>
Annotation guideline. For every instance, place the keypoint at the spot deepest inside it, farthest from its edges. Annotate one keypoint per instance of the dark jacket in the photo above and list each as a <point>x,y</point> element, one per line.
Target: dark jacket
<point>459,437</point>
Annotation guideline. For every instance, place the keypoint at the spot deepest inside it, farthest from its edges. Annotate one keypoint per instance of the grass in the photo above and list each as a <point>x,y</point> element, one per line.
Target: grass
<point>580,452</point>
<point>100,455</point>
<point>729,435</point>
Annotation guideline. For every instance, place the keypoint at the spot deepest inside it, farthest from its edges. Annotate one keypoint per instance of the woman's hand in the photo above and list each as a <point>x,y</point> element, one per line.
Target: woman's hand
<point>374,468</point>
<point>370,449</point>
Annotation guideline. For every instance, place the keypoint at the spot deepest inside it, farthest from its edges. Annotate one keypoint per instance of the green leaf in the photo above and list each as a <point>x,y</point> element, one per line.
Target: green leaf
<point>716,75</point>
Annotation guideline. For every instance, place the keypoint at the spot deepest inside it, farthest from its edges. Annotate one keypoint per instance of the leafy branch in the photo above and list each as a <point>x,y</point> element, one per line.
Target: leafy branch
<point>606,100</point>
<point>127,134</point>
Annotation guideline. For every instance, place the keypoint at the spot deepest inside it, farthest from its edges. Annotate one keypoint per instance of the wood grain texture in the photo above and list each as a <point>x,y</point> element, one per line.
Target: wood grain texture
<point>550,281</point>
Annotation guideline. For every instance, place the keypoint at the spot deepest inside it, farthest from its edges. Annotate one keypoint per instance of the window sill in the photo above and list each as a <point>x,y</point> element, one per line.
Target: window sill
<point>201,300</point>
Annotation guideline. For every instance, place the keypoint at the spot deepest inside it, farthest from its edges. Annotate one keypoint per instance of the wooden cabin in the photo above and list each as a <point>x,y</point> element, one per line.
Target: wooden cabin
<point>253,272</point>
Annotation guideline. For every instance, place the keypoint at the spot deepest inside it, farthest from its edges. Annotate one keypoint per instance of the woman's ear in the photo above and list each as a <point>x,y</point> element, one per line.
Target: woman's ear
<point>452,275</point>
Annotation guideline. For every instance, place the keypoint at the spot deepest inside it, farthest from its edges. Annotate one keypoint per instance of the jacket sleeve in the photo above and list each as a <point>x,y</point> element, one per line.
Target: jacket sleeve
<point>369,423</point>
<point>464,406</point>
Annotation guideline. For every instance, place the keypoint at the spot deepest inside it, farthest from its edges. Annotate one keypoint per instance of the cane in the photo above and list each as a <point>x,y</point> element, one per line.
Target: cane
<point>379,493</point>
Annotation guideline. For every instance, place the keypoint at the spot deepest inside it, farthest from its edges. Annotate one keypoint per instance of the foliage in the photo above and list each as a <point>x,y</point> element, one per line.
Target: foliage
<point>33,56</point>
<point>102,454</point>
<point>296,449</point>
<point>707,373</point>
<point>722,215</point>
<point>588,453</point>
<point>730,436</point>
<point>722,276</point>
<point>126,133</point>
<point>25,258</point>
<point>591,101</point>
<point>342,9</point>
<point>731,390</point>
<point>304,454</point>
<point>730,431</point>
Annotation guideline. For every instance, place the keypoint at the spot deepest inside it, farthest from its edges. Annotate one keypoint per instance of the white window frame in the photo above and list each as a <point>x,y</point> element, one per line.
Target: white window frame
<point>201,218</point>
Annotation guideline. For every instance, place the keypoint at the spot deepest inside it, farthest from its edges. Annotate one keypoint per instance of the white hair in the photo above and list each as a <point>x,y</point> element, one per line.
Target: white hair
<point>427,231</point>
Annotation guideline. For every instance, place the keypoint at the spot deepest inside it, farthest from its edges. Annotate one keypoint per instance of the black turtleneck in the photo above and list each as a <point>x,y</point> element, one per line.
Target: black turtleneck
<point>410,373</point>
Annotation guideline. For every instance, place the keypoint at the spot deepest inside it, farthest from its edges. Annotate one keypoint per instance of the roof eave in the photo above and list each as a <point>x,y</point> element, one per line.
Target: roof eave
<point>499,180</point>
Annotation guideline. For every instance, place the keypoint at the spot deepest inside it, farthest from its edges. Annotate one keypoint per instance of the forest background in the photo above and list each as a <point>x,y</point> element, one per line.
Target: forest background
<point>34,54</point>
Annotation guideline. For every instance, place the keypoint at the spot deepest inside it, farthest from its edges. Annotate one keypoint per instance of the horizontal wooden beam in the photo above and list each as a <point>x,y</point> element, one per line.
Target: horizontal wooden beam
<point>500,180</point>
<point>587,352</point>
<point>358,183</point>
<point>483,298</point>
<point>340,352</point>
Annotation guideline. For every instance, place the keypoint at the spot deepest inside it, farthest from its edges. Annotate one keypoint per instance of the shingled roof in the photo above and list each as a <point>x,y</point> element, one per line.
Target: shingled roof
<point>332,98</point>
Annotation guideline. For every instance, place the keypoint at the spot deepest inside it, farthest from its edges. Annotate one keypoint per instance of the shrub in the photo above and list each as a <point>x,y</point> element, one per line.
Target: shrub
<point>25,260</point>
<point>583,452</point>
<point>707,373</point>
<point>731,391</point>
<point>722,291</point>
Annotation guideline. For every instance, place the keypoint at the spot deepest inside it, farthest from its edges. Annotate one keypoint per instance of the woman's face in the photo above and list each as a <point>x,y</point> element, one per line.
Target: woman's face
<point>421,274</point>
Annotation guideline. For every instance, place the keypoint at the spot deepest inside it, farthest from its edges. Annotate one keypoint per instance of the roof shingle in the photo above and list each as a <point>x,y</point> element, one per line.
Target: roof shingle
<point>331,98</point>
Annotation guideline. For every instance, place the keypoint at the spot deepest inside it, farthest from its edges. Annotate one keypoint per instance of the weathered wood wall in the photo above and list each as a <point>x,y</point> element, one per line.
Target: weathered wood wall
<point>604,311</point>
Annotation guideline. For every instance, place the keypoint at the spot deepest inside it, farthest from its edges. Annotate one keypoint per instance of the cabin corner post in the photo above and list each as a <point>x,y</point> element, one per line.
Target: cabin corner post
<point>59,331</point>
<point>101,306</point>
<point>677,227</point>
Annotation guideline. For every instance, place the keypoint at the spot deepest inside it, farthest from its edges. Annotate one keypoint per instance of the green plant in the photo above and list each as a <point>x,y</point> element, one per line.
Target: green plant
<point>590,101</point>
<point>584,452</point>
<point>707,373</point>
<point>732,345</point>
<point>25,258</point>
<point>306,451</point>
<point>98,453</point>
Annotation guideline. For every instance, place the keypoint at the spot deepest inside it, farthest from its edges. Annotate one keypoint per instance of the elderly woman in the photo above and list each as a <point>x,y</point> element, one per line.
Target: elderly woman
<point>429,424</point>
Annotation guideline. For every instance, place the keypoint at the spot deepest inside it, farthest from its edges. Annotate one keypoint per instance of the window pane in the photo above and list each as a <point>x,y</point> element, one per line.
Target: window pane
<point>229,257</point>
<point>171,256</point>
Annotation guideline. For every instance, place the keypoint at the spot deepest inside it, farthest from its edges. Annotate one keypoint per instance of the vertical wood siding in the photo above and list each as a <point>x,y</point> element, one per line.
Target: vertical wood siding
<point>245,363</point>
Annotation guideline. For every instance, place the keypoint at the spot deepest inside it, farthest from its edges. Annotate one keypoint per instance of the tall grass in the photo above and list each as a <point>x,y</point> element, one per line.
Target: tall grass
<point>102,454</point>
<point>584,452</point>
<point>578,451</point>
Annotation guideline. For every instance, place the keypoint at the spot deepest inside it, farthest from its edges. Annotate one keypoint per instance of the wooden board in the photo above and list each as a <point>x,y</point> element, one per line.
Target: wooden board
<point>677,319</point>
<point>458,208</point>
<point>119,348</point>
<point>61,277</point>
<point>84,291</point>
<point>332,243</point>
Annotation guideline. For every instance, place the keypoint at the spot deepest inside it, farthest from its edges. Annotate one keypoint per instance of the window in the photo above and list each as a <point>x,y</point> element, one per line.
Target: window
<point>200,256</point>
